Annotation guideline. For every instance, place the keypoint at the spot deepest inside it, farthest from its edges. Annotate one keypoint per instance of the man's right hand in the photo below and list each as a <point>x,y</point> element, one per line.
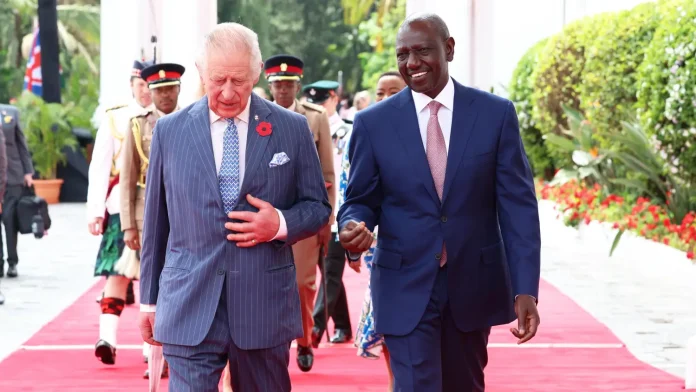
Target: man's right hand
<point>95,226</point>
<point>355,237</point>
<point>130,238</point>
<point>147,327</point>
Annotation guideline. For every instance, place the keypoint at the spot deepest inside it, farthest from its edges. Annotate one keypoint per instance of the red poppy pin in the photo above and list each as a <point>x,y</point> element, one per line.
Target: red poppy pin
<point>264,128</point>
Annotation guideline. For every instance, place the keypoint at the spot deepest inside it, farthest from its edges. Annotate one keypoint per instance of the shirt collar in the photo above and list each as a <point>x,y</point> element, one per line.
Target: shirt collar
<point>292,107</point>
<point>243,116</point>
<point>446,98</point>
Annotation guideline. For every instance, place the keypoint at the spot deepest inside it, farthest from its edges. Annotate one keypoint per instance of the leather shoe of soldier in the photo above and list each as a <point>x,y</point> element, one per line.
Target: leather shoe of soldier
<point>130,295</point>
<point>341,336</point>
<point>165,371</point>
<point>305,358</point>
<point>12,271</point>
<point>316,337</point>
<point>105,352</point>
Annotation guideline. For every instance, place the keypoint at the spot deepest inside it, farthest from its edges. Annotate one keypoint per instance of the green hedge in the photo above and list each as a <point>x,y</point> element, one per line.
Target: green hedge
<point>558,76</point>
<point>520,91</point>
<point>667,86</point>
<point>608,86</point>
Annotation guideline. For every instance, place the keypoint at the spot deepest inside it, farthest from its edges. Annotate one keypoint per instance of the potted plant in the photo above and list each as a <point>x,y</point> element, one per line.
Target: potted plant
<point>48,133</point>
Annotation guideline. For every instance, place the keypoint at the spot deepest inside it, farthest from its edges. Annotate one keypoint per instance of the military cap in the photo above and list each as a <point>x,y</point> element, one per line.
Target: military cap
<point>138,67</point>
<point>161,75</point>
<point>283,67</point>
<point>320,91</point>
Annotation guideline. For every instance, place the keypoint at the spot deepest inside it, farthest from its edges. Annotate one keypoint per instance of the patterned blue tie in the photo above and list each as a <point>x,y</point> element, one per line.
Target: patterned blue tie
<point>229,169</point>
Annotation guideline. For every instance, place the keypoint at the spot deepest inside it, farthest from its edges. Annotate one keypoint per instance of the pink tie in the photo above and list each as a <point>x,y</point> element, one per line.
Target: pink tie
<point>436,150</point>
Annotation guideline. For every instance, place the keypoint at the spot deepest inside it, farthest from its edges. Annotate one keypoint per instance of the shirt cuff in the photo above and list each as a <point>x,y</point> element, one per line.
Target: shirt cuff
<point>282,229</point>
<point>147,308</point>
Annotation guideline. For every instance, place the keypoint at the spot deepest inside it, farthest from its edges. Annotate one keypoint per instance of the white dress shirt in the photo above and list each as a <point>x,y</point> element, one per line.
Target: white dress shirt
<point>106,145</point>
<point>444,115</point>
<point>217,134</point>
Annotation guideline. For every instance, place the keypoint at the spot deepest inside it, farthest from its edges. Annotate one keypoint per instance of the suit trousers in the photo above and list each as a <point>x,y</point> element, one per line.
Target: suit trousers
<point>199,368</point>
<point>332,282</point>
<point>9,218</point>
<point>306,254</point>
<point>436,356</point>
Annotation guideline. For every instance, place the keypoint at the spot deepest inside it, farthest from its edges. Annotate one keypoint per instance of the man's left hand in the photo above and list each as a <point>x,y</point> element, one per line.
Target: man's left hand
<point>29,179</point>
<point>256,227</point>
<point>527,318</point>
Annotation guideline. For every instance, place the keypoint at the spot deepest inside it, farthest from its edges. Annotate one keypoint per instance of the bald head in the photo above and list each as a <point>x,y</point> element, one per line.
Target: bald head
<point>433,21</point>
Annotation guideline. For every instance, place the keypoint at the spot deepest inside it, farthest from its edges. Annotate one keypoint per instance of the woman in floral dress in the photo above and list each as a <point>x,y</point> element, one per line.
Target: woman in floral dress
<point>369,343</point>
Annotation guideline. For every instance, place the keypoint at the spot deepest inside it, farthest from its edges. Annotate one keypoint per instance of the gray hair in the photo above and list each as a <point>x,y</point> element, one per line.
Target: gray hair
<point>232,38</point>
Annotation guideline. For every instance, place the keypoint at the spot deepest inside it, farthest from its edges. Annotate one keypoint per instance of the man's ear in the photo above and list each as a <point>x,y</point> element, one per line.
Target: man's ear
<point>449,49</point>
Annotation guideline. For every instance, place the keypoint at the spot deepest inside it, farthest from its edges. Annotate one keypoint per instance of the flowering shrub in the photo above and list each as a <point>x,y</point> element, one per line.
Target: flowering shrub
<point>578,203</point>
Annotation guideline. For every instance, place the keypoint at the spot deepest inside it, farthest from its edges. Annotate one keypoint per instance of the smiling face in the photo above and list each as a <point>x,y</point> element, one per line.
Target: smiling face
<point>228,81</point>
<point>422,55</point>
<point>388,86</point>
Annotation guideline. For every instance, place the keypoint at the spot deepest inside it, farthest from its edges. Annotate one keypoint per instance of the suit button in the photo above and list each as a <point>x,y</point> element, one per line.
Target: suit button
<point>438,256</point>
<point>221,272</point>
<point>443,219</point>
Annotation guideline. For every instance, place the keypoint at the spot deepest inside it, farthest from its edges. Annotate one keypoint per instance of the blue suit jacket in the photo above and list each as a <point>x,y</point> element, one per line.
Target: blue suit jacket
<point>186,256</point>
<point>488,217</point>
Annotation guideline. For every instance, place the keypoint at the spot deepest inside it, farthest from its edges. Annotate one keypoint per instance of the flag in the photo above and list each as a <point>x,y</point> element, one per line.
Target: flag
<point>32,77</point>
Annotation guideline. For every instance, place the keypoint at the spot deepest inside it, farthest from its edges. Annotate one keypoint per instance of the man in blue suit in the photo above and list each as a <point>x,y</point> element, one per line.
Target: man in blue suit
<point>233,181</point>
<point>441,169</point>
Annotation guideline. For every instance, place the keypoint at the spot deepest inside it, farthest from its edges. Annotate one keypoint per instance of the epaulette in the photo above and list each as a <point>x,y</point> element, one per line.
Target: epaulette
<point>116,107</point>
<point>143,113</point>
<point>315,107</point>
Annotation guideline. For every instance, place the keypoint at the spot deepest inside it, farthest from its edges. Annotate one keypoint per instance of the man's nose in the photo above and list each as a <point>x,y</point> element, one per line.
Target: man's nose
<point>413,61</point>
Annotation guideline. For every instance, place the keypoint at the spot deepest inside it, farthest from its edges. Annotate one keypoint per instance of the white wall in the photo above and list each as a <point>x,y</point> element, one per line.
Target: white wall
<point>501,31</point>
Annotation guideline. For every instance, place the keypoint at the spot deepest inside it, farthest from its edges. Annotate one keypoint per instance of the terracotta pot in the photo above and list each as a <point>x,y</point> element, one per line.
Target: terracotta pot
<point>49,190</point>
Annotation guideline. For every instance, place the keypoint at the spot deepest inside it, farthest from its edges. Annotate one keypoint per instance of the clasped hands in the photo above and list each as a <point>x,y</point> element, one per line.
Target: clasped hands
<point>255,227</point>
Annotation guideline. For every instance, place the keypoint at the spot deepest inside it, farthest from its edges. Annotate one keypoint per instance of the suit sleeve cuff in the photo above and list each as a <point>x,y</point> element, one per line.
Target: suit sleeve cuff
<point>533,297</point>
<point>147,308</point>
<point>282,233</point>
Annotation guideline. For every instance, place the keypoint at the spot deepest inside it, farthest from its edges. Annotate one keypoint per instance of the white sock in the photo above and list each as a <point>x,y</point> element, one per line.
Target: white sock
<point>108,325</point>
<point>146,350</point>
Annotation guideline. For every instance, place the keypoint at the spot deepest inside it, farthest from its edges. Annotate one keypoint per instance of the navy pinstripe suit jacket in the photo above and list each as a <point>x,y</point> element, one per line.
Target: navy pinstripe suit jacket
<point>186,257</point>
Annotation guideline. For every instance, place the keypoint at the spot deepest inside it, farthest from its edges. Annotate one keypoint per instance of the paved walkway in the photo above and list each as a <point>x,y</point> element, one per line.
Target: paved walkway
<point>651,314</point>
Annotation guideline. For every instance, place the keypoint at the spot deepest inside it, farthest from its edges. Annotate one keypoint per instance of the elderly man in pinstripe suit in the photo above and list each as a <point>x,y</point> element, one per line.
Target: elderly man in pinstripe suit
<point>233,181</point>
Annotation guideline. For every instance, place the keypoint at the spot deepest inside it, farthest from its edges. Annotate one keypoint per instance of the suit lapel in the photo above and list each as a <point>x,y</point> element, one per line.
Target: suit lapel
<point>256,144</point>
<point>463,121</point>
<point>203,143</point>
<point>409,132</point>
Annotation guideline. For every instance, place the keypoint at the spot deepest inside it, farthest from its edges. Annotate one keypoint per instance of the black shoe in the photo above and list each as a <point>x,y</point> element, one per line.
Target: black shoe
<point>317,334</point>
<point>12,271</point>
<point>165,371</point>
<point>341,336</point>
<point>2,298</point>
<point>2,270</point>
<point>105,352</point>
<point>305,358</point>
<point>130,295</point>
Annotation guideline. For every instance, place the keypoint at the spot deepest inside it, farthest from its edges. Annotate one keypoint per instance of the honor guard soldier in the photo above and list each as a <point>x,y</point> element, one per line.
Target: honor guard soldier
<point>164,81</point>
<point>103,211</point>
<point>332,294</point>
<point>284,73</point>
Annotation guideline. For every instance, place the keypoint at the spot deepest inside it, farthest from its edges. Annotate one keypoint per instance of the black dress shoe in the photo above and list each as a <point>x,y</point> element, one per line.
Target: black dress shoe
<point>105,352</point>
<point>316,336</point>
<point>165,371</point>
<point>130,295</point>
<point>341,336</point>
<point>305,358</point>
<point>2,270</point>
<point>12,271</point>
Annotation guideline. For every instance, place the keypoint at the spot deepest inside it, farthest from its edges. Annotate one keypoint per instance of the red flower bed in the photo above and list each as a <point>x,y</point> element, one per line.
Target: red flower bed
<point>579,203</point>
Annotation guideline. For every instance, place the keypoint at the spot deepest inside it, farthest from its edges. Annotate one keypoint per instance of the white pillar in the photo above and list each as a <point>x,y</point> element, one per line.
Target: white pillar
<point>118,50</point>
<point>181,42</point>
<point>150,23</point>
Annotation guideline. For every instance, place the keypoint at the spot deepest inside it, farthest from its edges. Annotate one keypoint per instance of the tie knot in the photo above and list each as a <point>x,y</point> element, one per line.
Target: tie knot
<point>434,106</point>
<point>230,121</point>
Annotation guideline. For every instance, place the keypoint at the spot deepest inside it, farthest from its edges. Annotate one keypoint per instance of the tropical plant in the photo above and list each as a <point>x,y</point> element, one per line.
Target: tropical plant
<point>382,38</point>
<point>48,132</point>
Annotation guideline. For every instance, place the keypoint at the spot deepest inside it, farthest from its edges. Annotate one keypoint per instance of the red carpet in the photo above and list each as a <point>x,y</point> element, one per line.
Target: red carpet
<point>583,356</point>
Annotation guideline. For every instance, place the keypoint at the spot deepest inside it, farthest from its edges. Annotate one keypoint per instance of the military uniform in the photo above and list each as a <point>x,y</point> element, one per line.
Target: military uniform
<point>334,303</point>
<point>136,154</point>
<point>307,252</point>
<point>103,201</point>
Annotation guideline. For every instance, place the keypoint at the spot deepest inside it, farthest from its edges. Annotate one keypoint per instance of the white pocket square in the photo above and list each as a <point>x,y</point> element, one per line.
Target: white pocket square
<point>280,158</point>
